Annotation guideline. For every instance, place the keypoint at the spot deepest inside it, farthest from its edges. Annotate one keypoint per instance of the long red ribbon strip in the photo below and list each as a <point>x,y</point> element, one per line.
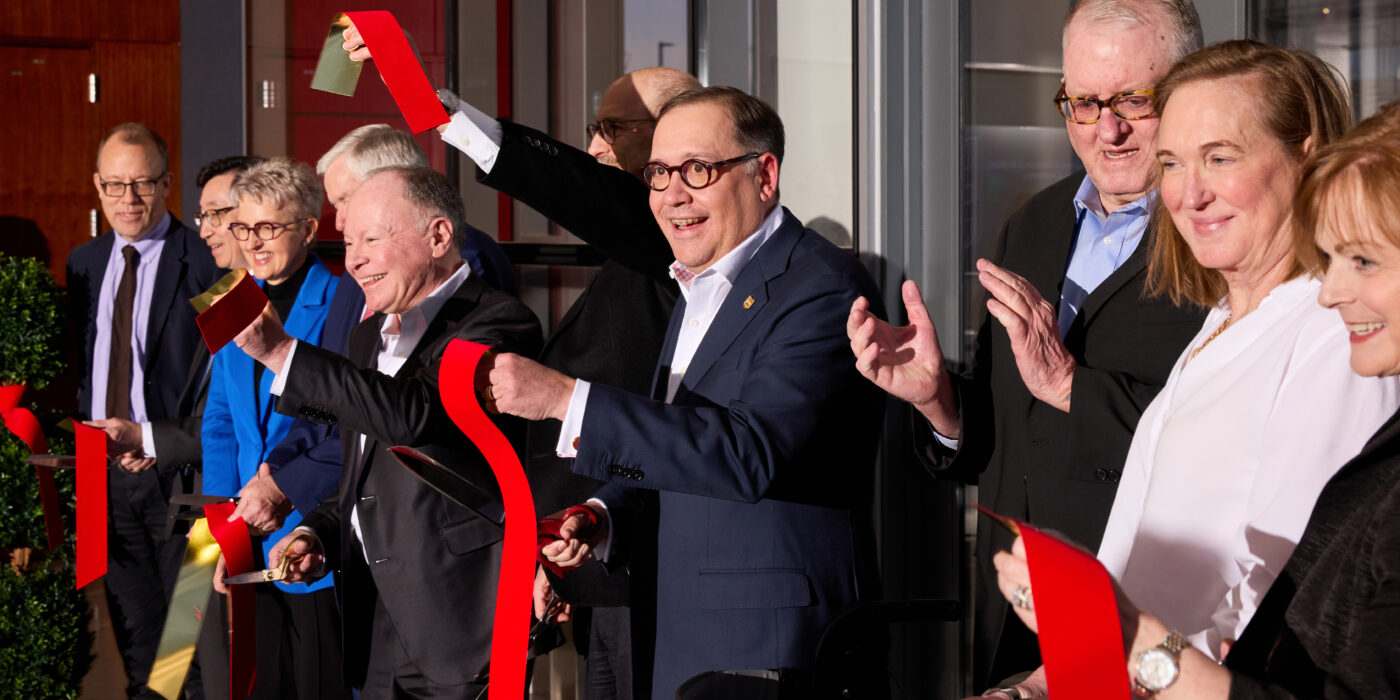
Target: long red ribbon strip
<point>25,426</point>
<point>400,69</point>
<point>237,548</point>
<point>1076,609</point>
<point>92,503</point>
<point>510,635</point>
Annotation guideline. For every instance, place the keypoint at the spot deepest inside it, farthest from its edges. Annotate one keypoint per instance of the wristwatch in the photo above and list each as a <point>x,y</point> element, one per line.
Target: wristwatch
<point>1156,669</point>
<point>1012,692</point>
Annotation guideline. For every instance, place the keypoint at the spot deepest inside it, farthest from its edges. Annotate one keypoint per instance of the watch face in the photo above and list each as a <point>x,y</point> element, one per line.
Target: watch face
<point>1156,669</point>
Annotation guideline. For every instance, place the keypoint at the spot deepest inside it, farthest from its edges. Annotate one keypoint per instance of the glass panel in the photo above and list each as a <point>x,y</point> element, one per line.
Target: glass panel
<point>655,33</point>
<point>815,100</point>
<point>1015,142</point>
<point>1361,38</point>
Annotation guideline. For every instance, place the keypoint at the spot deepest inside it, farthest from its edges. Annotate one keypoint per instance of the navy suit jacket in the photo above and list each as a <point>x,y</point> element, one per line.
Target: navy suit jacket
<point>185,270</point>
<point>764,464</point>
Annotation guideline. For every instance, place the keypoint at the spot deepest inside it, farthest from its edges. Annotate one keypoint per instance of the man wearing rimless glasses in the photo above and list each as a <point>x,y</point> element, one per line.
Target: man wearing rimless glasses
<point>128,290</point>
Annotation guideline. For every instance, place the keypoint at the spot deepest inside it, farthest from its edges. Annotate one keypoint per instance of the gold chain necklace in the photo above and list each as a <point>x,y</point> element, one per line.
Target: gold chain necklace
<point>1214,335</point>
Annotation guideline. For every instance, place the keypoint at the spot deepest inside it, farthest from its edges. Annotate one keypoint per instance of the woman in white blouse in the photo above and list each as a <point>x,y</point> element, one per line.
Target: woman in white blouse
<point>1262,407</point>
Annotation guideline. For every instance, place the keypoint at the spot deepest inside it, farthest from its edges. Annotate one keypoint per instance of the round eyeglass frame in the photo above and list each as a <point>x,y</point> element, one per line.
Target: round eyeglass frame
<point>273,228</point>
<point>1062,101</point>
<point>653,170</point>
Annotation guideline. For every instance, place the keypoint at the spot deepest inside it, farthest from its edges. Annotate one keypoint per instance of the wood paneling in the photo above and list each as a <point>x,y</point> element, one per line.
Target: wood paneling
<point>140,82</point>
<point>46,189</point>
<point>151,20</point>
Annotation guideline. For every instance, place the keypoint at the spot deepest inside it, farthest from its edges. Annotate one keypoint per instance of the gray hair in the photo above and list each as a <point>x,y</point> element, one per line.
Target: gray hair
<point>281,181</point>
<point>372,147</point>
<point>1185,25</point>
<point>433,196</point>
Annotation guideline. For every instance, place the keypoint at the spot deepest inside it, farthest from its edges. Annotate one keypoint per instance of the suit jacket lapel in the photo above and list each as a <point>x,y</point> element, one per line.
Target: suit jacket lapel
<point>737,310</point>
<point>660,379</point>
<point>169,272</point>
<point>1047,270</point>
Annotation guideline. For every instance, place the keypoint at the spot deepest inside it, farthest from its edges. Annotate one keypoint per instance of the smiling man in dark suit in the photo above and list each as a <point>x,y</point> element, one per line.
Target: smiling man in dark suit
<point>128,291</point>
<point>415,573</point>
<point>759,436</point>
<point>1071,352</point>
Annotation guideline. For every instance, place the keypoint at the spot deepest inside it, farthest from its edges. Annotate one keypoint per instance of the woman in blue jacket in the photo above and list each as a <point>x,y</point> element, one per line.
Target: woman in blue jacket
<point>277,205</point>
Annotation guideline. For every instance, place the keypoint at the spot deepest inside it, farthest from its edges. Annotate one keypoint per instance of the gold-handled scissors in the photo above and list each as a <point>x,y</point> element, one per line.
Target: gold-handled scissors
<point>277,574</point>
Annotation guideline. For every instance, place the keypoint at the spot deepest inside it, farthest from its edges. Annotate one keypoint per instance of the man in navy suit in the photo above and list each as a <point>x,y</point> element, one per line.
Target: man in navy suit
<point>758,437</point>
<point>128,290</point>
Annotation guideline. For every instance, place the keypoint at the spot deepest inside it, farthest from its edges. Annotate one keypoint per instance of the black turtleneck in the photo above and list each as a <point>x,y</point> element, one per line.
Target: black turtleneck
<point>282,296</point>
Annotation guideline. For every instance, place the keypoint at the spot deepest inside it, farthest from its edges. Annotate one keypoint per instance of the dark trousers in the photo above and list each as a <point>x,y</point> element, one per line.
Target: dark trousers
<point>607,658</point>
<point>211,651</point>
<point>298,652</point>
<point>142,565</point>
<point>393,676</point>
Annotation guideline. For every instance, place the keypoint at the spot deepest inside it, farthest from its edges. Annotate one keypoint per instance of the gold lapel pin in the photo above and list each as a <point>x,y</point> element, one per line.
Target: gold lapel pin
<point>748,303</point>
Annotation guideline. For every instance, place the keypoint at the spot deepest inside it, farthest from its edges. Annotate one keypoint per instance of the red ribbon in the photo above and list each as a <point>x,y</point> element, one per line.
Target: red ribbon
<point>514,587</point>
<point>92,502</point>
<point>237,548</point>
<point>228,316</point>
<point>1076,609</point>
<point>25,426</point>
<point>549,531</point>
<point>400,69</point>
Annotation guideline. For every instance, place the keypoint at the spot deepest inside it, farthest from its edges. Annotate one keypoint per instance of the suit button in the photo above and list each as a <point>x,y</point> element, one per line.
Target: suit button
<point>553,151</point>
<point>638,475</point>
<point>615,471</point>
<point>1101,474</point>
<point>1114,475</point>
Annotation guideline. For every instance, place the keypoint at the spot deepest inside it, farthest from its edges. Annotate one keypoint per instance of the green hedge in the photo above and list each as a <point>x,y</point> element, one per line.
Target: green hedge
<point>44,638</point>
<point>31,328</point>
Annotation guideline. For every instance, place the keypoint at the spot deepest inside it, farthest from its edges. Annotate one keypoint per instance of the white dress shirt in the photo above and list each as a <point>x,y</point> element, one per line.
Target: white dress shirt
<point>1228,460</point>
<point>398,336</point>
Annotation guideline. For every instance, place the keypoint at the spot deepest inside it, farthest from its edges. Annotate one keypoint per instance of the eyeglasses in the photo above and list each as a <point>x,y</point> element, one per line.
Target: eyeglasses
<point>608,127</point>
<point>696,174</point>
<point>213,217</point>
<point>144,188</point>
<point>1133,105</point>
<point>266,230</point>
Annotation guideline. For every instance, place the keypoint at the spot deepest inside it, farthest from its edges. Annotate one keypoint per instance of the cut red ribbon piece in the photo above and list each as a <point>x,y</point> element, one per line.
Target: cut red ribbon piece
<point>515,586</point>
<point>400,68</point>
<point>237,548</point>
<point>231,313</point>
<point>549,531</point>
<point>25,426</point>
<point>92,503</point>
<point>1076,609</point>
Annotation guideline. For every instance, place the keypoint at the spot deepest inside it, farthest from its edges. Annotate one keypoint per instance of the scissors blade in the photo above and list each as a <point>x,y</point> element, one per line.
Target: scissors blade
<point>261,576</point>
<point>447,482</point>
<point>53,461</point>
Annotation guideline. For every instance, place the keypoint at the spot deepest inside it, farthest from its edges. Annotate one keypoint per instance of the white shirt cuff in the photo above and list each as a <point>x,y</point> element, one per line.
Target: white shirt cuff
<point>604,548</point>
<point>950,443</point>
<point>573,421</point>
<point>279,382</point>
<point>475,134</point>
<point>148,440</point>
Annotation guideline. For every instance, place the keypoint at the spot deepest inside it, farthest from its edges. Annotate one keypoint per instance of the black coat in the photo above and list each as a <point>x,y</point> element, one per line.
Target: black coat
<point>1032,461</point>
<point>434,563</point>
<point>1328,626</point>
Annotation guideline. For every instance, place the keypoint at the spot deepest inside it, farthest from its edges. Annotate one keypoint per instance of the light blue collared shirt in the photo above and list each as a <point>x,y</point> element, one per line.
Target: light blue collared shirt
<point>1102,243</point>
<point>149,249</point>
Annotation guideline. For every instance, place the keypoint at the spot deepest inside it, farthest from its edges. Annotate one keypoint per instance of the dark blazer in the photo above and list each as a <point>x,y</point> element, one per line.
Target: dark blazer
<point>435,563</point>
<point>306,464</point>
<point>763,464</point>
<point>1031,461</point>
<point>185,270</point>
<point>1327,627</point>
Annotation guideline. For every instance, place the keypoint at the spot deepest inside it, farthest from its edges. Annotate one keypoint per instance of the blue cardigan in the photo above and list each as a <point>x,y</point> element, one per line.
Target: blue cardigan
<point>240,425</point>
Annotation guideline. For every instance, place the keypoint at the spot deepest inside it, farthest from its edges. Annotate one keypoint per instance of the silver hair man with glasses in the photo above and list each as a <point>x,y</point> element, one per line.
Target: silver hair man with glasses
<point>1070,353</point>
<point>128,290</point>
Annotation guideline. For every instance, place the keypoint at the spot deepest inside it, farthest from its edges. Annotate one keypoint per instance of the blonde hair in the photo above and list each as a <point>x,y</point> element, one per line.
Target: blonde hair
<point>1300,100</point>
<point>281,181</point>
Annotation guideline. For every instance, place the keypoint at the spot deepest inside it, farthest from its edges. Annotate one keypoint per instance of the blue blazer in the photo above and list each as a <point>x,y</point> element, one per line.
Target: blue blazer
<point>240,425</point>
<point>764,464</point>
